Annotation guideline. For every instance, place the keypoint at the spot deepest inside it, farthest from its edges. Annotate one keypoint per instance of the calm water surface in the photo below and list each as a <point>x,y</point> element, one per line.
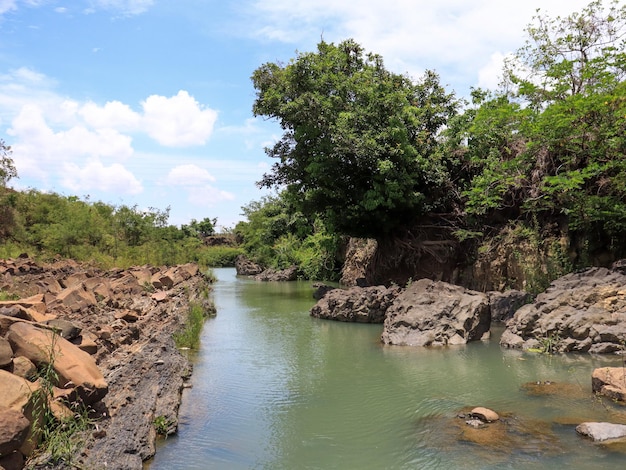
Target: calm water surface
<point>274,388</point>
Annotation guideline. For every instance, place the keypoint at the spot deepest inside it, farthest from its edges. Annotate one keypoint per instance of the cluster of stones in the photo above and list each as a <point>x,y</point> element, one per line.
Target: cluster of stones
<point>580,312</point>
<point>81,322</point>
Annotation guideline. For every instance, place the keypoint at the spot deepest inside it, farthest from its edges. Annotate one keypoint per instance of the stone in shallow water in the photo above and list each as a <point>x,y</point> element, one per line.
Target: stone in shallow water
<point>602,431</point>
<point>484,414</point>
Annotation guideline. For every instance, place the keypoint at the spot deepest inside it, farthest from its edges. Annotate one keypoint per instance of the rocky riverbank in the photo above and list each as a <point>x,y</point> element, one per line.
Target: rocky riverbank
<point>583,312</point>
<point>110,333</point>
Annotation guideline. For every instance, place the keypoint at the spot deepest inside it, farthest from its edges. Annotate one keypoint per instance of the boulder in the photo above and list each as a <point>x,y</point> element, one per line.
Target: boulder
<point>357,304</point>
<point>75,368</point>
<point>579,312</point>
<point>282,275</point>
<point>602,431</point>
<point>6,353</point>
<point>24,367</point>
<point>610,382</point>
<point>14,427</point>
<point>435,313</point>
<point>15,392</point>
<point>247,267</point>
<point>321,290</point>
<point>504,304</point>
<point>484,414</point>
<point>75,298</point>
<point>12,461</point>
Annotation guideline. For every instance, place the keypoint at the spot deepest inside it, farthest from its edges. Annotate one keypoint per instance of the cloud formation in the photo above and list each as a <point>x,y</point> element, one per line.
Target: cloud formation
<point>53,136</point>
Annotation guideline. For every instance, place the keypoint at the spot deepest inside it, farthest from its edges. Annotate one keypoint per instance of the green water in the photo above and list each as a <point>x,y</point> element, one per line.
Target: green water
<point>274,388</point>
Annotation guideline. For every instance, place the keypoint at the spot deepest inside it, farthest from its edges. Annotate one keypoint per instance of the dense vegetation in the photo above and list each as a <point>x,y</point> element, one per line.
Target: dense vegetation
<point>366,152</point>
<point>47,225</point>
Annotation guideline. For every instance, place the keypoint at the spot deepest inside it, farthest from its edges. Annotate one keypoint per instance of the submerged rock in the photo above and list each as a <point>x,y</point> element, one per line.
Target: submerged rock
<point>602,431</point>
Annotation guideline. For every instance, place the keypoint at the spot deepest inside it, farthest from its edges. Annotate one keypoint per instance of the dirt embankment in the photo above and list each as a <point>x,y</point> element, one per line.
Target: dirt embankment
<point>124,320</point>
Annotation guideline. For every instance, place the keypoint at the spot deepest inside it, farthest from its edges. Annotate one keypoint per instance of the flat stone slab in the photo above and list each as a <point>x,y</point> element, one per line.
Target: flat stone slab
<point>602,431</point>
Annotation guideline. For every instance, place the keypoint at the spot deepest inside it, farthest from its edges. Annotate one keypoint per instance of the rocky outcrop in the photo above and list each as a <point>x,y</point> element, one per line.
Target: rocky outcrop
<point>278,275</point>
<point>102,331</point>
<point>246,267</point>
<point>504,304</point>
<point>579,312</point>
<point>361,305</point>
<point>610,382</point>
<point>429,313</point>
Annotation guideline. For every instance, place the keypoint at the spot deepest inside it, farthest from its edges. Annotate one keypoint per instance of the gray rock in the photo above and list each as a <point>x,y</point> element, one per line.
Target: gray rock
<point>602,431</point>
<point>579,312</point>
<point>429,313</point>
<point>282,275</point>
<point>247,267</point>
<point>357,304</point>
<point>504,304</point>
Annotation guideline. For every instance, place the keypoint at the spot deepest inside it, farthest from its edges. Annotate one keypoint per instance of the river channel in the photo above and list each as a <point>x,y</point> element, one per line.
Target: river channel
<point>274,388</point>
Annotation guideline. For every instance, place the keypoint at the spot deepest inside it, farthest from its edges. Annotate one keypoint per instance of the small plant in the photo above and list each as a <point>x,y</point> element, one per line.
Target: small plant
<point>548,344</point>
<point>8,296</point>
<point>162,425</point>
<point>148,287</point>
<point>189,336</point>
<point>59,437</point>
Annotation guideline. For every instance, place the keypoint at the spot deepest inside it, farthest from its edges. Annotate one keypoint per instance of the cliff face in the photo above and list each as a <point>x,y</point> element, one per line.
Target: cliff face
<point>125,320</point>
<point>514,257</point>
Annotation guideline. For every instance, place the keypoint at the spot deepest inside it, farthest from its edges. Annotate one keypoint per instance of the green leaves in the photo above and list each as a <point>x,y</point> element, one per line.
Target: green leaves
<point>359,147</point>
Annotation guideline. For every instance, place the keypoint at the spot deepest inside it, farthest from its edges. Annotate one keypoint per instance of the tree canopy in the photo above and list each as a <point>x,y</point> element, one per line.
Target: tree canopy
<point>359,147</point>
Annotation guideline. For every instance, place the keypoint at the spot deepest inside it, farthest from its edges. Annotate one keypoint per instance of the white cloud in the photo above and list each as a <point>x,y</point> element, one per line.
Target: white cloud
<point>195,181</point>
<point>7,5</point>
<point>450,36</point>
<point>189,175</point>
<point>125,7</point>
<point>490,75</point>
<point>208,196</point>
<point>96,177</point>
<point>178,121</point>
<point>113,114</point>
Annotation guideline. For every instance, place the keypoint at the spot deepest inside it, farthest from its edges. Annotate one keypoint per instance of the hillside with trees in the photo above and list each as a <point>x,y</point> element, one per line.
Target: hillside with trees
<point>538,162</point>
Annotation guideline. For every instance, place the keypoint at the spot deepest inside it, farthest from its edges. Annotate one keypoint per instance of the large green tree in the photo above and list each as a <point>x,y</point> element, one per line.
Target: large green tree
<point>360,143</point>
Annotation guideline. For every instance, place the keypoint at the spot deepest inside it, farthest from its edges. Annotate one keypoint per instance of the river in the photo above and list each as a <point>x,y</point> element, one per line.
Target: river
<point>274,388</point>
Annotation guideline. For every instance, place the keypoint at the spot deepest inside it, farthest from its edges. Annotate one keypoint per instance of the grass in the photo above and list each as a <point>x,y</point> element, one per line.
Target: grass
<point>189,336</point>
<point>58,437</point>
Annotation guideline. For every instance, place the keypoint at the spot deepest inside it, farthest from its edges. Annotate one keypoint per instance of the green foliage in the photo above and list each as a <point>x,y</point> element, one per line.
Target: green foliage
<point>552,144</point>
<point>360,143</point>
<point>162,425</point>
<point>7,167</point>
<point>59,438</point>
<point>189,335</point>
<point>47,225</point>
<point>278,236</point>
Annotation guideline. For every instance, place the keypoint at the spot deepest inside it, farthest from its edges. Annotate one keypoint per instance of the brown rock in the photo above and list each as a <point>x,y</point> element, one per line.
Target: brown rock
<point>14,428</point>
<point>6,353</point>
<point>24,367</point>
<point>13,461</point>
<point>76,298</point>
<point>484,414</point>
<point>159,296</point>
<point>87,342</point>
<point>15,392</point>
<point>127,315</point>
<point>610,382</point>
<point>74,367</point>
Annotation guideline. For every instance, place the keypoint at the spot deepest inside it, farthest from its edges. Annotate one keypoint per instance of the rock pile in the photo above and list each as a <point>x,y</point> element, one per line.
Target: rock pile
<point>580,312</point>
<point>108,337</point>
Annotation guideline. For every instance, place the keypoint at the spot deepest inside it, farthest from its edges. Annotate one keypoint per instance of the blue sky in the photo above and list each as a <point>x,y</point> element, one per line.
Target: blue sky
<point>148,102</point>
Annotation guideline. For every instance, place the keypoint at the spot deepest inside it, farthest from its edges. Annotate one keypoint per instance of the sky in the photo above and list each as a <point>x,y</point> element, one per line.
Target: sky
<point>148,103</point>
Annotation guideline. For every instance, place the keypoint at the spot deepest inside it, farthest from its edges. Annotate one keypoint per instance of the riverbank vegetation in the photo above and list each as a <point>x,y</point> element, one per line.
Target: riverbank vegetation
<point>369,153</point>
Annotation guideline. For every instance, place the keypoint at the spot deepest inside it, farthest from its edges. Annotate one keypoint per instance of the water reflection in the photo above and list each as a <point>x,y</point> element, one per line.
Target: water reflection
<point>277,389</point>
